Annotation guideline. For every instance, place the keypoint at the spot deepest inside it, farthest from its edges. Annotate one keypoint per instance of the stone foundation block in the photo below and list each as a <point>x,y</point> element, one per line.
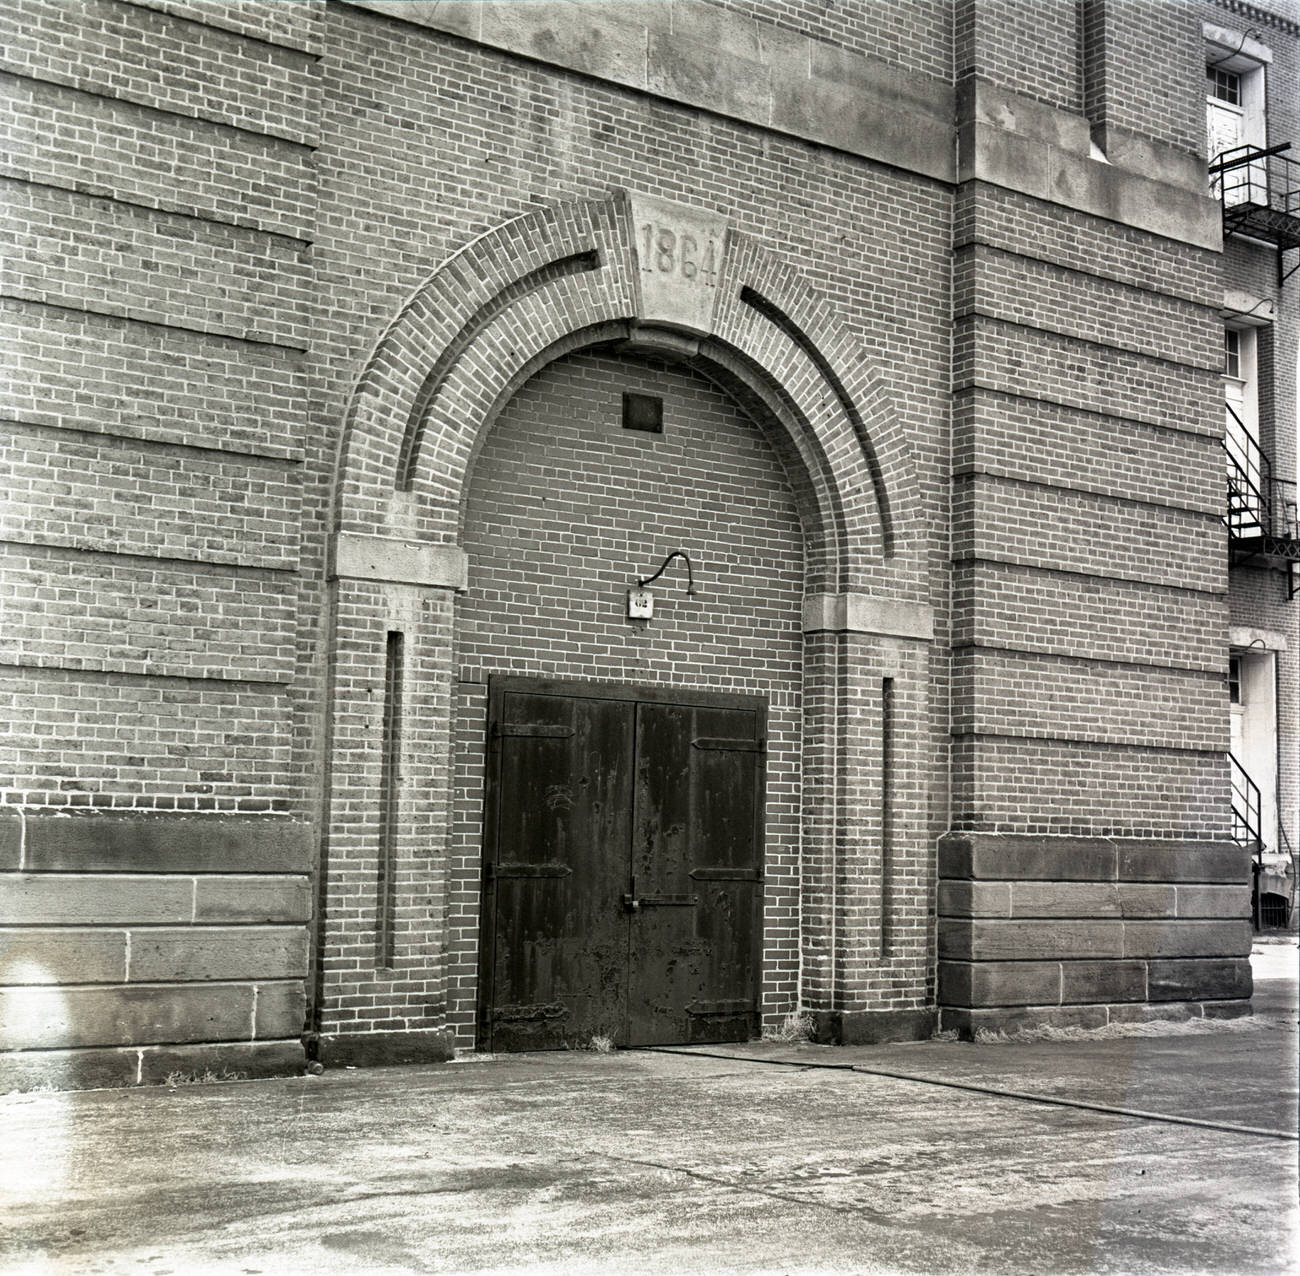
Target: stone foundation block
<point>872,1027</point>
<point>375,1049</point>
<point>107,1067</point>
<point>1103,981</point>
<point>1221,980</point>
<point>1006,983</point>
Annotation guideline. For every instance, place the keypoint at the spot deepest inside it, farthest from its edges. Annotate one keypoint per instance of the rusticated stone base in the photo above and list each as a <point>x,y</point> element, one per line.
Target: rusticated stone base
<point>872,1027</point>
<point>106,1067</point>
<point>1078,931</point>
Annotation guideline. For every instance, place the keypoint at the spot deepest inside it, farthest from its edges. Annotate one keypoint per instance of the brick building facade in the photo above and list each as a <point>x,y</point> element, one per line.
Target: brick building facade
<point>367,353</point>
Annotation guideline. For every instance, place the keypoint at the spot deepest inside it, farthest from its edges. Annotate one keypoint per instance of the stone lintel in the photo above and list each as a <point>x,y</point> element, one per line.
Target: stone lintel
<point>400,562</point>
<point>1235,44</point>
<point>1244,310</point>
<point>857,613</point>
<point>1259,639</point>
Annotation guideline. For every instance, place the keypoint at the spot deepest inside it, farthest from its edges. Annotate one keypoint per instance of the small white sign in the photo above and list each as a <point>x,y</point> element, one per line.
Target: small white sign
<point>640,604</point>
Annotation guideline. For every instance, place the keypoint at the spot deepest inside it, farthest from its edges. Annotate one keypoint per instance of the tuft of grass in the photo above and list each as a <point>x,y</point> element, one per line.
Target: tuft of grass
<point>601,1044</point>
<point>207,1077</point>
<point>1149,1028</point>
<point>795,1027</point>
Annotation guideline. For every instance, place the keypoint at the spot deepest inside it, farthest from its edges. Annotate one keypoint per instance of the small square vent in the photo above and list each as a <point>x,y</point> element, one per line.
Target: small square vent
<point>643,412</point>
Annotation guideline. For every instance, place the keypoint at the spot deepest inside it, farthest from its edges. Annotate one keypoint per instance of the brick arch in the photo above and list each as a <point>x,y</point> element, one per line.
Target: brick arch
<point>554,281</point>
<point>561,277</point>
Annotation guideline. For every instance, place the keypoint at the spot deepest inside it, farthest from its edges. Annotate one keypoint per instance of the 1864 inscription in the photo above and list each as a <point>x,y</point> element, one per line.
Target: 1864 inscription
<point>672,251</point>
<point>680,253</point>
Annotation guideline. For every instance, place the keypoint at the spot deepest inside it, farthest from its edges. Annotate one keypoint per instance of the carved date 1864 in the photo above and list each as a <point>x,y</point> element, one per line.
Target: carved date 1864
<point>670,252</point>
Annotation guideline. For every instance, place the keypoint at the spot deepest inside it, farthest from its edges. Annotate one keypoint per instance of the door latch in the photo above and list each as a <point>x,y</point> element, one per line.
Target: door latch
<point>631,904</point>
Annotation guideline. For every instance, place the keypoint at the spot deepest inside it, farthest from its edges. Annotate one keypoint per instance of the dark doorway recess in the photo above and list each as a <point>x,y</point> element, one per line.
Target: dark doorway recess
<point>623,865</point>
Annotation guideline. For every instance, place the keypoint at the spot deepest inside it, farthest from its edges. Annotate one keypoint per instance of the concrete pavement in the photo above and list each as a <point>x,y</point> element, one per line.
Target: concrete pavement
<point>1172,1152</point>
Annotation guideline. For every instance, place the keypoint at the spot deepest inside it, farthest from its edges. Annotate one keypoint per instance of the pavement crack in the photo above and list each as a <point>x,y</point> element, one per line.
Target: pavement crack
<point>997,1092</point>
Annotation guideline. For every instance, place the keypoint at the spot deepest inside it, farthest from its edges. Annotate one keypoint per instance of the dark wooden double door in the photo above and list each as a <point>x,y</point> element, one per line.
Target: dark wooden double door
<point>622,866</point>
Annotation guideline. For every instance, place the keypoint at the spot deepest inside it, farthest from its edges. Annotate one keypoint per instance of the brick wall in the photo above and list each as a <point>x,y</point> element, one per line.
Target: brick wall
<point>158,196</point>
<point>224,207</point>
<point>1042,62</point>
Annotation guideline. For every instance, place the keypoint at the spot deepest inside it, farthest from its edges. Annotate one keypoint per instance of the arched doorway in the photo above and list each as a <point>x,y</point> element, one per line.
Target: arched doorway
<point>636,771</point>
<point>745,353</point>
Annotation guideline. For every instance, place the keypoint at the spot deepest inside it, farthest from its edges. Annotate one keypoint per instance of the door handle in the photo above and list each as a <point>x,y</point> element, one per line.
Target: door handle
<point>634,903</point>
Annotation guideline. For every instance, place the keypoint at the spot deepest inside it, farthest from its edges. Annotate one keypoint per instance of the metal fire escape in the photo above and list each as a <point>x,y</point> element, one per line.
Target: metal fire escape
<point>1246,829</point>
<point>1259,188</point>
<point>1261,517</point>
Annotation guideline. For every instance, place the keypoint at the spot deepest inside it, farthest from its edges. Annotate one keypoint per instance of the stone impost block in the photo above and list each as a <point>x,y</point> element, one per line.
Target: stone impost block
<point>858,613</point>
<point>391,560</point>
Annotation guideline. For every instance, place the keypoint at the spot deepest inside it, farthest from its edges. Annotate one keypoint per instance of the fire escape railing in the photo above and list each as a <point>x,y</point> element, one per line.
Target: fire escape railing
<point>1246,829</point>
<point>1259,188</point>
<point>1261,510</point>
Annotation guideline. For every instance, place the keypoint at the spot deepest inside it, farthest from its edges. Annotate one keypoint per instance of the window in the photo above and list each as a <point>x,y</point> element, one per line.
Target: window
<point>1225,86</point>
<point>1232,353</point>
<point>1234,679</point>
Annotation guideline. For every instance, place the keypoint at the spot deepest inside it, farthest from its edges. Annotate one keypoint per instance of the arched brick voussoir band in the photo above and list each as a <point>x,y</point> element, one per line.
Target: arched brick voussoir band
<point>386,420</point>
<point>560,278</point>
<point>760,282</point>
